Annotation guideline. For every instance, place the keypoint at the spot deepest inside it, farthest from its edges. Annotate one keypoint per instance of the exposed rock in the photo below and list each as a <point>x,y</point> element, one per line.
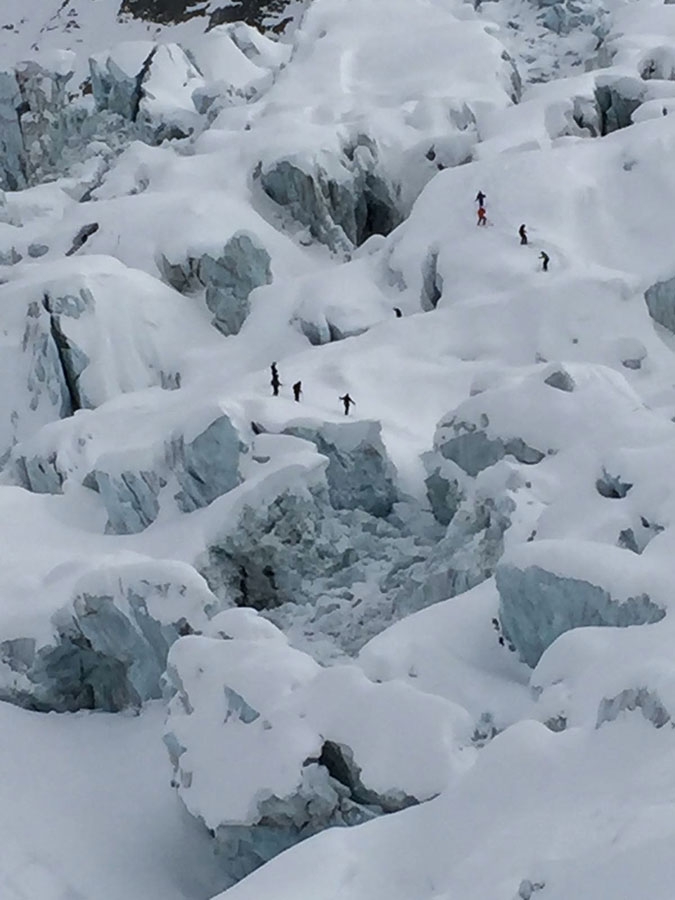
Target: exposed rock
<point>268,15</point>
<point>82,237</point>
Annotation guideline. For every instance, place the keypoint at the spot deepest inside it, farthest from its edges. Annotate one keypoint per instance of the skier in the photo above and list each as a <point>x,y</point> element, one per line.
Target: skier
<point>397,312</point>
<point>480,198</point>
<point>523,234</point>
<point>297,390</point>
<point>276,384</point>
<point>482,220</point>
<point>544,257</point>
<point>347,400</point>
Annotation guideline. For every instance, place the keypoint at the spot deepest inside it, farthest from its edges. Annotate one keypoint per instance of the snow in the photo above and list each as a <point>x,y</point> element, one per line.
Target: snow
<point>428,641</point>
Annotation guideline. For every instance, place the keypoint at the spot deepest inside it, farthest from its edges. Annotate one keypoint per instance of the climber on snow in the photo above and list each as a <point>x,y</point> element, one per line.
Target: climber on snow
<point>523,234</point>
<point>297,390</point>
<point>276,384</point>
<point>347,400</point>
<point>480,198</point>
<point>545,259</point>
<point>482,219</point>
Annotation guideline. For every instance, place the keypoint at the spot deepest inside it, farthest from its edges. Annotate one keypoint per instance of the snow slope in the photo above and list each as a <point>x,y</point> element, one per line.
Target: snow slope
<point>428,642</point>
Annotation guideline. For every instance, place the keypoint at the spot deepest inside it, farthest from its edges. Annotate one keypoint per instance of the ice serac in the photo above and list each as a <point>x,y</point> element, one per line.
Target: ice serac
<point>73,338</point>
<point>465,556</point>
<point>470,446</point>
<point>647,701</point>
<point>341,199</point>
<point>107,642</point>
<point>12,159</point>
<point>227,278</point>
<point>204,466</point>
<point>265,755</point>
<point>149,87</point>
<point>360,474</point>
<point>549,587</point>
<point>116,77</point>
<point>660,300</point>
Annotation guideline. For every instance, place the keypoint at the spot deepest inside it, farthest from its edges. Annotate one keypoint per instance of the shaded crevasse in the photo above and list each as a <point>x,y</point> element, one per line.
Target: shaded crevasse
<point>536,606</point>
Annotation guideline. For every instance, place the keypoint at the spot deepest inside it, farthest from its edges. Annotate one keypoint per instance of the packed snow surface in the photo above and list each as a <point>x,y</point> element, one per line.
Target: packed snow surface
<point>337,527</point>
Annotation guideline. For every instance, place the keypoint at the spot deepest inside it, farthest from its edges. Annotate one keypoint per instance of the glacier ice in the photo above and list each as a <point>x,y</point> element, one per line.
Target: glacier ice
<point>537,604</point>
<point>341,200</point>
<point>228,278</point>
<point>360,474</point>
<point>106,643</point>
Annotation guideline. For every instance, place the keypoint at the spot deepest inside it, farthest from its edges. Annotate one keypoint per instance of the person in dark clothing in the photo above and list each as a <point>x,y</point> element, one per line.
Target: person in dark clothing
<point>276,384</point>
<point>297,390</point>
<point>480,198</point>
<point>523,234</point>
<point>397,312</point>
<point>347,400</point>
<point>545,258</point>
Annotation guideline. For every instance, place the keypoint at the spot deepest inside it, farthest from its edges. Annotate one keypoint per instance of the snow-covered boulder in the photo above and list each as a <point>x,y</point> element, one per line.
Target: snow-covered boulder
<point>549,587</point>
<point>269,748</point>
<point>99,637</point>
<point>228,277</point>
<point>360,474</point>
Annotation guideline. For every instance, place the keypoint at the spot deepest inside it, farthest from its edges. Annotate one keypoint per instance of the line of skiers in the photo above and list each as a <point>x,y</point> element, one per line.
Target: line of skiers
<point>522,231</point>
<point>297,390</point>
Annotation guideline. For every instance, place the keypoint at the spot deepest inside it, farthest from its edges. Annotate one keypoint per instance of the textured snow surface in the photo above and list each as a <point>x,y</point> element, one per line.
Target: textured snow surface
<point>426,636</point>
